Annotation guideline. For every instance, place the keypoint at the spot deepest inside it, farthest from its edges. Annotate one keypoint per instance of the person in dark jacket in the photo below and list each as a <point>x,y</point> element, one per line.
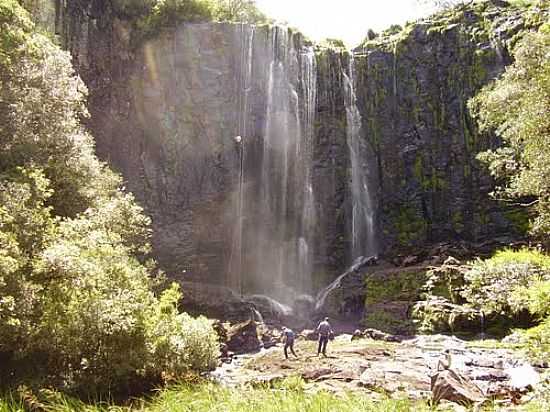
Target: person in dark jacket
<point>289,337</point>
<point>325,331</point>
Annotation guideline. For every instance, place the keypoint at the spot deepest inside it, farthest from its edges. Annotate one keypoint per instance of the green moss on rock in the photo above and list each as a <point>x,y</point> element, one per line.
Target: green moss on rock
<point>409,226</point>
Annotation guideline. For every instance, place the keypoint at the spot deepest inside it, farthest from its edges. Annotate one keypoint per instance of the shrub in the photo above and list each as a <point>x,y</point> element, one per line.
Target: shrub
<point>179,342</point>
<point>537,341</point>
<point>490,282</point>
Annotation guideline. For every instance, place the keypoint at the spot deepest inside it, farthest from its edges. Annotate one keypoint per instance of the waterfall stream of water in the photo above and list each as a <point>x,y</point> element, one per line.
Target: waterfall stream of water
<point>272,248</point>
<point>235,262</point>
<point>363,238</point>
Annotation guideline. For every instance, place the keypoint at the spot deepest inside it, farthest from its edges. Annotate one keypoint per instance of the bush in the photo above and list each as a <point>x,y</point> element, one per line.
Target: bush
<point>490,283</point>
<point>537,341</point>
<point>179,342</point>
<point>152,16</point>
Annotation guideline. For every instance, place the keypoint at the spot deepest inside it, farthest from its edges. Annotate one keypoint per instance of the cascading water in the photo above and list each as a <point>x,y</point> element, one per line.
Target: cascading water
<point>273,235</point>
<point>305,151</point>
<point>363,236</point>
<point>235,262</point>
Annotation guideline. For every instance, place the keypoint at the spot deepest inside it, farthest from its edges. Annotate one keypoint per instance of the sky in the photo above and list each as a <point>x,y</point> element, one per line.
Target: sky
<point>347,20</point>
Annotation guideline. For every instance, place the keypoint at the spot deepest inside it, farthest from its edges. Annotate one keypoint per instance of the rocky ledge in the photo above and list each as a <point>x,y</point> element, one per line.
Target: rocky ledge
<point>468,372</point>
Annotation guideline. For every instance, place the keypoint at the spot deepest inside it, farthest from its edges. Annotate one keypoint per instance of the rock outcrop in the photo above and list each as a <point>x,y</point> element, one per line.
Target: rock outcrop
<point>450,385</point>
<point>243,338</point>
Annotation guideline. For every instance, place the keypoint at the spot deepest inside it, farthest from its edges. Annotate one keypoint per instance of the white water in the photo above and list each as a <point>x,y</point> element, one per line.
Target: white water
<point>363,237</point>
<point>235,262</point>
<point>272,248</point>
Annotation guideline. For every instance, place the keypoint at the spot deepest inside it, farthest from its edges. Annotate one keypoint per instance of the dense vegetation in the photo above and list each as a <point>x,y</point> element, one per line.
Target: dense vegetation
<point>511,283</point>
<point>517,106</point>
<point>151,16</point>
<point>76,293</point>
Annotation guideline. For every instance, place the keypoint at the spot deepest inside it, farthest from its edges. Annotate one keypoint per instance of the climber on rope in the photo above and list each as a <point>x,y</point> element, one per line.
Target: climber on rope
<point>289,336</point>
<point>325,333</point>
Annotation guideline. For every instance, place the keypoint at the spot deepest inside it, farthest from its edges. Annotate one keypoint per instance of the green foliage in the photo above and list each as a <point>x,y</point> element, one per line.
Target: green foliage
<point>206,396</point>
<point>402,285</point>
<point>132,8</point>
<point>26,225</point>
<point>393,29</point>
<point>39,125</point>
<point>490,282</point>
<point>291,383</point>
<point>76,300</point>
<point>446,281</point>
<point>517,106</point>
<point>536,341</point>
<point>240,11</point>
<point>409,225</point>
<point>15,26</point>
<point>170,12</point>
<point>149,17</point>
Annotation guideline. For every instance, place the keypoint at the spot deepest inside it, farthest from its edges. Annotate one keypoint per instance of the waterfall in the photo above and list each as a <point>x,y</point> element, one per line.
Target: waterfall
<point>235,266</point>
<point>305,152</point>
<point>272,251</point>
<point>363,239</point>
<point>395,56</point>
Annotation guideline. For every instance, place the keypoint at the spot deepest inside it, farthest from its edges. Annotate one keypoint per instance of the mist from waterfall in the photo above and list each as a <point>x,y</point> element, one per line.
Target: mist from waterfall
<point>362,230</point>
<point>272,248</point>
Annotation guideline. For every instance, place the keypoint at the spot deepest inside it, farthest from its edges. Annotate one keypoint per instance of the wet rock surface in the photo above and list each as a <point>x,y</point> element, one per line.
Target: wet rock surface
<point>243,337</point>
<point>406,369</point>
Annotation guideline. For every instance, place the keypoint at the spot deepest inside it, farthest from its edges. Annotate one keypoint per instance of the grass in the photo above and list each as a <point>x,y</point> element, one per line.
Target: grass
<point>493,344</point>
<point>210,397</point>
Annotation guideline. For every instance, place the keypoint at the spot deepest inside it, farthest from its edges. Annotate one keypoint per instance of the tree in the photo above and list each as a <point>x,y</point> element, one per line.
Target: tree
<point>517,106</point>
<point>240,11</point>
<point>76,300</point>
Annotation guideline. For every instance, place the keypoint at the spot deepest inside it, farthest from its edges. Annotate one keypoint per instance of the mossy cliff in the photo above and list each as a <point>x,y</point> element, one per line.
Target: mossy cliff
<point>413,87</point>
<point>164,112</point>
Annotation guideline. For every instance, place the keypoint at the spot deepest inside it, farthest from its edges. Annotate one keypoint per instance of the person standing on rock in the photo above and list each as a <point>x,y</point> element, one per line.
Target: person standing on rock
<point>325,331</point>
<point>289,337</point>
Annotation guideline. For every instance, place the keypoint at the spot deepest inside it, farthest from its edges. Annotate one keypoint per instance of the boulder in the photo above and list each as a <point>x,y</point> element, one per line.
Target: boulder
<point>389,295</point>
<point>220,330</point>
<point>452,386</point>
<point>215,301</point>
<point>379,335</point>
<point>357,334</point>
<point>309,334</point>
<point>270,338</point>
<point>243,337</point>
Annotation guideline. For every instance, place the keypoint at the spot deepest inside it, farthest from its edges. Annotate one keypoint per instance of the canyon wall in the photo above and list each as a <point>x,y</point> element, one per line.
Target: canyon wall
<point>283,206</point>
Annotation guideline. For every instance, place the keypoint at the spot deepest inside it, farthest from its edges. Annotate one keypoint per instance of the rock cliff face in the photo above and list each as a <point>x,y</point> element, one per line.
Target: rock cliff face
<point>413,88</point>
<point>279,206</point>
